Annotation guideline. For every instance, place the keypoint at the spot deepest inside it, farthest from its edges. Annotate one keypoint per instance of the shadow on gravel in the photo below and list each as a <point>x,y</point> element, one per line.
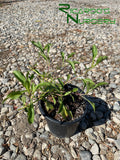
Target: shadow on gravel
<point>99,117</point>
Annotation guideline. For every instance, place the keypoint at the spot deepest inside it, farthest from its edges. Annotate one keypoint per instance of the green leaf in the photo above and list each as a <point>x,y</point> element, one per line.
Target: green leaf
<point>72,64</point>
<point>44,56</point>
<point>49,106</point>
<point>47,86</point>
<point>60,107</point>
<point>71,55</point>
<point>20,76</point>
<point>50,88</point>
<point>57,87</point>
<point>32,76</point>
<point>14,95</point>
<point>61,83</point>
<point>33,87</point>
<point>72,98</point>
<point>100,84</point>
<point>75,90</point>
<point>38,45</point>
<point>63,56</point>
<point>47,47</point>
<point>76,62</point>
<point>23,98</point>
<point>86,80</point>
<point>92,104</point>
<point>67,93</point>
<point>70,114</point>
<point>37,72</point>
<point>94,52</point>
<point>68,77</point>
<point>31,114</point>
<point>88,83</point>
<point>27,85</point>
<point>43,95</point>
<point>89,87</point>
<point>44,84</point>
<point>54,100</point>
<point>65,111</point>
<point>100,59</point>
<point>27,75</point>
<point>63,114</point>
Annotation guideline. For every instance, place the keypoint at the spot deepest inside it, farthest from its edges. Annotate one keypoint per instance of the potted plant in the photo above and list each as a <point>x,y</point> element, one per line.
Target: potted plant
<point>62,104</point>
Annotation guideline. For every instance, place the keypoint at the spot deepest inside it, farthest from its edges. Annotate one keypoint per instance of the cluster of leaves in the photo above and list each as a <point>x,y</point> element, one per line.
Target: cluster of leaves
<point>94,55</point>
<point>49,87</point>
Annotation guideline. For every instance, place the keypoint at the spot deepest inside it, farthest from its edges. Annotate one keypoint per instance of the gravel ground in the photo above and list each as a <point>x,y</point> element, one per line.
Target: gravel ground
<point>24,21</point>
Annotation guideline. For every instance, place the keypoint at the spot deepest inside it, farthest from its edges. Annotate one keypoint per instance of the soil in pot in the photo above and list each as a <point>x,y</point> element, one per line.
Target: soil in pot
<point>77,107</point>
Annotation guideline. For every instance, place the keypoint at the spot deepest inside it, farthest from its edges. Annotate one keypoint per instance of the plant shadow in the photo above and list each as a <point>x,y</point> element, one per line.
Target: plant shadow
<point>100,116</point>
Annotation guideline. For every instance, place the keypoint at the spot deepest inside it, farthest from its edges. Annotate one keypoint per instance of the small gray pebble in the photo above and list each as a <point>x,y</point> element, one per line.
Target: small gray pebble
<point>85,155</point>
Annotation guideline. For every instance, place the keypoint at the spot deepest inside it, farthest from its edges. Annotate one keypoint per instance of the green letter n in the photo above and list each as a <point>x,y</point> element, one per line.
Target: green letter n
<point>69,16</point>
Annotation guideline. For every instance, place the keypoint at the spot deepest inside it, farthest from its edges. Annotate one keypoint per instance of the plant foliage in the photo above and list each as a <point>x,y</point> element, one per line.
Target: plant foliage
<point>50,85</point>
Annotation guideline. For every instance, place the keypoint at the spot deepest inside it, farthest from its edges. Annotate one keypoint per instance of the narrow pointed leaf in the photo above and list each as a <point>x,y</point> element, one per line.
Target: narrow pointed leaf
<point>61,83</point>
<point>33,87</point>
<point>73,98</point>
<point>92,104</point>
<point>38,45</point>
<point>75,90</point>
<point>14,95</point>
<point>47,47</point>
<point>63,56</point>
<point>70,114</point>
<point>65,111</point>
<point>100,59</point>
<point>44,56</point>
<point>71,55</point>
<point>76,62</point>
<point>100,84</point>
<point>20,76</point>
<point>67,93</point>
<point>37,72</point>
<point>27,85</point>
<point>31,114</point>
<point>54,100</point>
<point>94,52</point>
<point>84,82</point>
<point>72,64</point>
<point>32,76</point>
<point>23,98</point>
<point>43,84</point>
<point>60,108</point>
<point>27,75</point>
<point>88,80</point>
<point>68,77</point>
<point>63,114</point>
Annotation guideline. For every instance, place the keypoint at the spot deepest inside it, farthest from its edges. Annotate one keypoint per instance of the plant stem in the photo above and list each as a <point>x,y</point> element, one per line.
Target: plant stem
<point>71,80</point>
<point>23,107</point>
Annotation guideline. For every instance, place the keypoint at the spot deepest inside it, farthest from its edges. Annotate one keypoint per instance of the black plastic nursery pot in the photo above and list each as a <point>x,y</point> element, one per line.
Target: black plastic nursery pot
<point>62,129</point>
